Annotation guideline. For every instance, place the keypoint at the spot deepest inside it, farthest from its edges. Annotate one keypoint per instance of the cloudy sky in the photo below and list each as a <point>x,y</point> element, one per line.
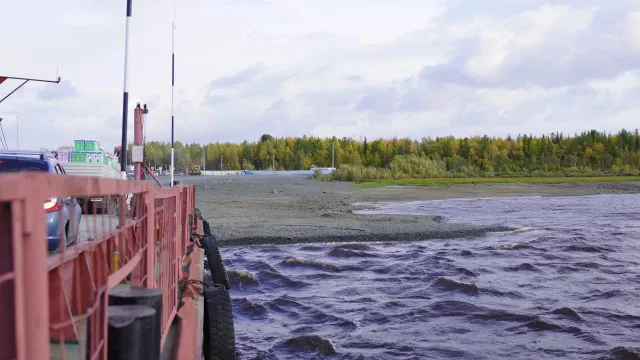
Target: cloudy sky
<point>321,67</point>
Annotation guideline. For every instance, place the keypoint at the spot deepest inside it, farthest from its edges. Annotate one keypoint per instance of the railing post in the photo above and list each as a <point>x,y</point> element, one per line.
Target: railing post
<point>10,328</point>
<point>178,252</point>
<point>32,274</point>
<point>150,239</point>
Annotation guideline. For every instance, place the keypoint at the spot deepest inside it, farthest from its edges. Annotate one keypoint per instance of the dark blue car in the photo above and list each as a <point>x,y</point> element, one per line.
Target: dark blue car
<point>59,211</point>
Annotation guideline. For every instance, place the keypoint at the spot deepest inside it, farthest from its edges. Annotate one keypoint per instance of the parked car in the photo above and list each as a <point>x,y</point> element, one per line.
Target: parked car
<point>59,210</point>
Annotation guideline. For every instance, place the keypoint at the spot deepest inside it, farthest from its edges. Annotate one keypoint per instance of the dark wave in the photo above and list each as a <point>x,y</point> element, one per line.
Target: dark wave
<point>522,267</point>
<point>307,263</point>
<point>275,278</point>
<point>452,285</point>
<point>509,246</point>
<point>568,270</point>
<point>243,306</point>
<point>307,344</point>
<point>621,353</point>
<point>543,325</point>
<point>296,309</point>
<point>588,265</point>
<point>454,308</point>
<point>600,295</point>
<point>355,246</point>
<point>587,248</point>
<point>346,253</point>
<point>567,313</point>
<point>312,248</point>
<point>466,272</point>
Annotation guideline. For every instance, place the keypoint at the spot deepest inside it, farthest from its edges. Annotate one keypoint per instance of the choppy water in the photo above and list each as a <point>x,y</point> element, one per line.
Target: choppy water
<point>566,286</point>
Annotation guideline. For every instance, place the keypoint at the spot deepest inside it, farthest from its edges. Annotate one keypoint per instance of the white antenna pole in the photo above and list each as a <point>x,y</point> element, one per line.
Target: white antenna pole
<point>333,146</point>
<point>125,96</point>
<point>173,67</point>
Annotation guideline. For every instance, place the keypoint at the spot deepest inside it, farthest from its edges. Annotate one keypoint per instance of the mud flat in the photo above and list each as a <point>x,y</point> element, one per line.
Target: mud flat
<point>244,210</point>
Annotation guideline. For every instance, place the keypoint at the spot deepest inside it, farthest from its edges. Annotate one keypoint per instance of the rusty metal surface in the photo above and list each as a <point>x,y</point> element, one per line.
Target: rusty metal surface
<point>190,314</point>
<point>140,239</point>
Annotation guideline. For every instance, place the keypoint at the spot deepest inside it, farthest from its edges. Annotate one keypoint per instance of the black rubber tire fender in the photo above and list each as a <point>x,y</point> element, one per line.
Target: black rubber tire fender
<point>206,229</point>
<point>219,341</point>
<point>215,263</point>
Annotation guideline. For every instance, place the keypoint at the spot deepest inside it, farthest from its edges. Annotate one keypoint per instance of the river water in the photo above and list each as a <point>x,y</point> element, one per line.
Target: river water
<point>565,285</point>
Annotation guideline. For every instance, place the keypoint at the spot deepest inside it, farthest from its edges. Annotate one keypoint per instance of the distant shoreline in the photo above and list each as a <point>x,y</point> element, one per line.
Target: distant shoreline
<point>498,180</point>
<point>255,210</point>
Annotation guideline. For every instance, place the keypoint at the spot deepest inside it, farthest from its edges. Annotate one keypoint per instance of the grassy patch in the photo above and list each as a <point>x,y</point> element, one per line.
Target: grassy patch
<point>497,180</point>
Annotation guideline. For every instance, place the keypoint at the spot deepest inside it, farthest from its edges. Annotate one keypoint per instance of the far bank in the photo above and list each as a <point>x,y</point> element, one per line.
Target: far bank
<point>245,210</point>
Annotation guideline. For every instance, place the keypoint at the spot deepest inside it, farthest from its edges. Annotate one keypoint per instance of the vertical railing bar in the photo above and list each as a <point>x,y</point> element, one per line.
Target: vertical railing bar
<point>150,241</point>
<point>16,208</point>
<point>35,284</point>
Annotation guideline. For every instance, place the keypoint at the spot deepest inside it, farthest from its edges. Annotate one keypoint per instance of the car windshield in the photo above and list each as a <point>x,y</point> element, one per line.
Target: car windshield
<point>16,165</point>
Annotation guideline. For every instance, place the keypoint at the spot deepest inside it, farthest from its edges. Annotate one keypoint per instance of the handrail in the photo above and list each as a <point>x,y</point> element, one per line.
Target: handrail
<point>153,176</point>
<point>113,248</point>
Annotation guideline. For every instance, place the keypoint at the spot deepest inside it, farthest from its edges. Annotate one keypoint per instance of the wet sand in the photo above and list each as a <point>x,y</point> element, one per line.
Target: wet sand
<point>255,209</point>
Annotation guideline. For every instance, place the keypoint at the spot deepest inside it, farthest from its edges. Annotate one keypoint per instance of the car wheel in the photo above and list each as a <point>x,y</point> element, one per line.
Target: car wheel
<point>65,240</point>
<point>80,202</point>
<point>69,239</point>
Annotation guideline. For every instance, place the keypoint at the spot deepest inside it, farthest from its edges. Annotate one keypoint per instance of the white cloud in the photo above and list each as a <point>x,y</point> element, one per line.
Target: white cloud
<point>363,67</point>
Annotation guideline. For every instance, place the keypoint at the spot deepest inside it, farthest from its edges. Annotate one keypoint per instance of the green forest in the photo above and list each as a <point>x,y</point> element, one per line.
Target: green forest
<point>590,153</point>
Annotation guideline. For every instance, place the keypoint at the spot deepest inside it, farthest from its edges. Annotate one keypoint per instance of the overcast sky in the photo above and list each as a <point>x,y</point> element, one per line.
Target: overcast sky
<point>375,68</point>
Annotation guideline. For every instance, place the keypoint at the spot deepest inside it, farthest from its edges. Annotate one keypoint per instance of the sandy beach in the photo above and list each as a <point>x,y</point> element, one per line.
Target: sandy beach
<point>245,210</point>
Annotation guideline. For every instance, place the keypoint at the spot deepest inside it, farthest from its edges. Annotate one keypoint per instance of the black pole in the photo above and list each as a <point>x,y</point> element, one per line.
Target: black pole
<point>135,295</point>
<point>130,332</point>
<point>173,83</point>
<point>125,96</point>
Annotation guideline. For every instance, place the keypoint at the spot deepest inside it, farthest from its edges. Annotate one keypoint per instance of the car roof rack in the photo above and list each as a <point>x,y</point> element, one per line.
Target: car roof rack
<point>40,154</point>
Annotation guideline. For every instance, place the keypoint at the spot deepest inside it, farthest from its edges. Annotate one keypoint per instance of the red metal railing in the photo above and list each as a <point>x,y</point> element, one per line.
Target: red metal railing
<point>54,304</point>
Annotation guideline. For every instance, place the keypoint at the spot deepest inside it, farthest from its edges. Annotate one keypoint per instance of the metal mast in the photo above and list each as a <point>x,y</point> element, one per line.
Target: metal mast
<point>173,83</point>
<point>125,96</point>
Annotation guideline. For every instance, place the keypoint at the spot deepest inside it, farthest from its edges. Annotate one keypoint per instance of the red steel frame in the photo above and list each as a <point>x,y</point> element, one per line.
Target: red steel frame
<point>77,280</point>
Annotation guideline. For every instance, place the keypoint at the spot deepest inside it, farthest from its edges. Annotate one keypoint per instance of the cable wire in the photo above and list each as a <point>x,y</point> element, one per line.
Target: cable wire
<point>4,138</point>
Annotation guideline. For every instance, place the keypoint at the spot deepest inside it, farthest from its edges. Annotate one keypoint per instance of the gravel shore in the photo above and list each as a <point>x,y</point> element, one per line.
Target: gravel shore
<point>254,210</point>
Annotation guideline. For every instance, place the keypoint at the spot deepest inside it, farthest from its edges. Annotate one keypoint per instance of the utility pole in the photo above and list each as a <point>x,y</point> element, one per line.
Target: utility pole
<point>273,161</point>
<point>220,162</point>
<point>333,145</point>
<point>173,84</point>
<point>204,160</point>
<point>125,95</point>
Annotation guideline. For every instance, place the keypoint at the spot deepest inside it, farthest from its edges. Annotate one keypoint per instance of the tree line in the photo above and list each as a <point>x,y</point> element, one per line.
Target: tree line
<point>588,153</point>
